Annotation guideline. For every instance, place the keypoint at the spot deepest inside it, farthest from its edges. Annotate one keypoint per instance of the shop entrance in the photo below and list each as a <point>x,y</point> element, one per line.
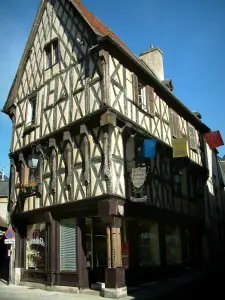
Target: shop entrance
<point>4,260</point>
<point>96,248</point>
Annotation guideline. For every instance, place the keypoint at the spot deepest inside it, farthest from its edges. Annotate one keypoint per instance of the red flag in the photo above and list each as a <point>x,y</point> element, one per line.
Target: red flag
<point>214,139</point>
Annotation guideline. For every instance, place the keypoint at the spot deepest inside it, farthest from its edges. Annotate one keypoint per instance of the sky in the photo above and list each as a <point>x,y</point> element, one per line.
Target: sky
<point>190,34</point>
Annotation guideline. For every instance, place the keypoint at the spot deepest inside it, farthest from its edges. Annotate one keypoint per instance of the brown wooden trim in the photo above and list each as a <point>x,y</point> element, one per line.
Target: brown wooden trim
<point>81,254</point>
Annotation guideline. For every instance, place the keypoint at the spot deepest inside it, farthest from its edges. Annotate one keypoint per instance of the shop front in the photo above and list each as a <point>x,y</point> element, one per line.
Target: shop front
<point>80,248</point>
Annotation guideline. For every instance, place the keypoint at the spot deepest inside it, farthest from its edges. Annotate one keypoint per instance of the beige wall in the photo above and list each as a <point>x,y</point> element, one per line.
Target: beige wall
<point>3,207</point>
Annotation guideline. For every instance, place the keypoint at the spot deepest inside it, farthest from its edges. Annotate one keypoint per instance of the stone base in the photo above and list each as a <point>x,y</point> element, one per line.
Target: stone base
<point>115,293</point>
<point>16,276</point>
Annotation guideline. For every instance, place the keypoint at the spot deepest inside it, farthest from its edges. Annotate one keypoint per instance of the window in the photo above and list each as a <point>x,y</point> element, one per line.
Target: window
<point>31,111</point>
<point>142,103</point>
<point>35,251</point>
<point>191,185</point>
<point>173,245</point>
<point>68,248</point>
<point>51,54</point>
<point>149,254</point>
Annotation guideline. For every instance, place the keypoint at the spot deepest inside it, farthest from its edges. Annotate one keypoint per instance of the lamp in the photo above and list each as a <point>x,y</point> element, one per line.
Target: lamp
<point>177,177</point>
<point>33,161</point>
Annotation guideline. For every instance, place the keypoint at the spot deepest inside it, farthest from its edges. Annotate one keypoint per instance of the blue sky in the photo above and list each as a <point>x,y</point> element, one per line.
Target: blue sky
<point>190,34</point>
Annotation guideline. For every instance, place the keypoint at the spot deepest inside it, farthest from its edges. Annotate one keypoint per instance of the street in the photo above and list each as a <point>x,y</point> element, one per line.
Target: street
<point>210,285</point>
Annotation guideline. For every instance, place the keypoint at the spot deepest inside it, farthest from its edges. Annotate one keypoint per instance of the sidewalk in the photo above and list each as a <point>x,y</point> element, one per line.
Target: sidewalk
<point>152,291</point>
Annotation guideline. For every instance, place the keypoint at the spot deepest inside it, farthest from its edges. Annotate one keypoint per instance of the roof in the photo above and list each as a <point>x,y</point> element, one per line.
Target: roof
<point>4,186</point>
<point>101,30</point>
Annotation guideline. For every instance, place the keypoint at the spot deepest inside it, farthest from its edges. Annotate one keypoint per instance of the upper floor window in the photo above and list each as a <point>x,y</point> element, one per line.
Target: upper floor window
<point>142,103</point>
<point>31,111</point>
<point>143,96</point>
<point>51,54</point>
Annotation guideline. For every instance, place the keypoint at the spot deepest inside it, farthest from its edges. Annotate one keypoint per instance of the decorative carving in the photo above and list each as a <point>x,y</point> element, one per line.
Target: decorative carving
<point>53,164</point>
<point>86,160</point>
<point>106,154</point>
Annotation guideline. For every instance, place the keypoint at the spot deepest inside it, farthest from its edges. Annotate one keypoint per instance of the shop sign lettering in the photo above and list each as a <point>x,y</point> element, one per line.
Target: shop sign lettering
<point>147,235</point>
<point>38,241</point>
<point>138,176</point>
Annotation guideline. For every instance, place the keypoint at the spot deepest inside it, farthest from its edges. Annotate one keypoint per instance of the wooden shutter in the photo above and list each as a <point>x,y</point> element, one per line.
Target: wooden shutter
<point>68,249</point>
<point>192,137</point>
<point>150,100</point>
<point>175,124</point>
<point>135,88</point>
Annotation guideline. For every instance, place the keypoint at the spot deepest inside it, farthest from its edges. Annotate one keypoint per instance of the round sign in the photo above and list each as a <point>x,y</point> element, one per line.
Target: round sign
<point>36,235</point>
<point>10,234</point>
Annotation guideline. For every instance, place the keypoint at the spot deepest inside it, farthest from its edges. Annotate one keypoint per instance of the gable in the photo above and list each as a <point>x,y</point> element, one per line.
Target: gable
<point>58,22</point>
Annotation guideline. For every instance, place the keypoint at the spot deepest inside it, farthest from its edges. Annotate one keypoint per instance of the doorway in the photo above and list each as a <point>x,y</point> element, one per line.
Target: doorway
<point>4,259</point>
<point>96,248</point>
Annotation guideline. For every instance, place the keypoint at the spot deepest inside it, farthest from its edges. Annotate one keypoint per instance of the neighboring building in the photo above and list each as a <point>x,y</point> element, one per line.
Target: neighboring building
<point>83,102</point>
<point>4,193</point>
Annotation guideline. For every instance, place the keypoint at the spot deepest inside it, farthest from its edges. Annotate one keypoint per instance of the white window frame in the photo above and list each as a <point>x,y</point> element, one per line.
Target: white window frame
<point>30,118</point>
<point>142,100</point>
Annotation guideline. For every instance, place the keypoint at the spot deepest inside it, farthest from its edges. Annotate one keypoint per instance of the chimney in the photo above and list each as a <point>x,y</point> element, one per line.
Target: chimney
<point>153,58</point>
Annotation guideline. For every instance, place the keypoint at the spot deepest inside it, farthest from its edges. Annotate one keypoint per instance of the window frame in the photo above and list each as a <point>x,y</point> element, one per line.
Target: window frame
<point>142,99</point>
<point>32,106</point>
<point>52,54</point>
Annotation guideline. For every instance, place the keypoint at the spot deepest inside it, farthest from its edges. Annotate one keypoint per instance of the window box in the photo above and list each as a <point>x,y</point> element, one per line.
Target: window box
<point>29,189</point>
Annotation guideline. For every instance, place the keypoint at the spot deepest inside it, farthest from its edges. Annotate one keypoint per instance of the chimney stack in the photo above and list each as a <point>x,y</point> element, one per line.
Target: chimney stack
<point>153,58</point>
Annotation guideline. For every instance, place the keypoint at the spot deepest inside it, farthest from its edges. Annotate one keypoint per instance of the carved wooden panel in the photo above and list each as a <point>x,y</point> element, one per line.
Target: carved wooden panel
<point>117,161</point>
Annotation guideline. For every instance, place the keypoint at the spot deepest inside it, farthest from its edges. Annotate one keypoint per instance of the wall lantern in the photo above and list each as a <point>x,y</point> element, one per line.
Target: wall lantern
<point>33,160</point>
<point>177,177</point>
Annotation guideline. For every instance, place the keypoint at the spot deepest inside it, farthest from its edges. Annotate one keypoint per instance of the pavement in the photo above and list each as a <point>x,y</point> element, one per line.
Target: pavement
<point>185,286</point>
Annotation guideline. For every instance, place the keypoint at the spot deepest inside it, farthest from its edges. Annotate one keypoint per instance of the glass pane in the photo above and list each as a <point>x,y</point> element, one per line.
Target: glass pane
<point>173,245</point>
<point>35,252</point>
<point>148,244</point>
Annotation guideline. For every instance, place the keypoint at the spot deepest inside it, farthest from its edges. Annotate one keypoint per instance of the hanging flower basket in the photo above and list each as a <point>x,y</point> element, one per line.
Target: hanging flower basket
<point>29,188</point>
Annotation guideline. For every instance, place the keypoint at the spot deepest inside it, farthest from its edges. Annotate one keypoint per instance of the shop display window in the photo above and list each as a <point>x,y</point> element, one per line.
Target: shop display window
<point>36,243</point>
<point>149,254</point>
<point>173,245</point>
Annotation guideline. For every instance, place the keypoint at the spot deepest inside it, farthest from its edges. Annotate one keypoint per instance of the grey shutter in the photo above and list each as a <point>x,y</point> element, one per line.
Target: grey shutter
<point>135,88</point>
<point>175,124</point>
<point>192,137</point>
<point>68,241</point>
<point>150,100</point>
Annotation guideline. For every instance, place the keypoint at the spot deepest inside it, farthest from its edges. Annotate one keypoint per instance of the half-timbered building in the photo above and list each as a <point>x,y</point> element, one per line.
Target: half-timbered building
<point>81,105</point>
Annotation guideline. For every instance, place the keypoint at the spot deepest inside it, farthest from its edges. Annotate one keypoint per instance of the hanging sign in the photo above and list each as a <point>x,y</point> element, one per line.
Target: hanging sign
<point>149,146</point>
<point>179,147</point>
<point>10,234</point>
<point>138,176</point>
<point>214,139</point>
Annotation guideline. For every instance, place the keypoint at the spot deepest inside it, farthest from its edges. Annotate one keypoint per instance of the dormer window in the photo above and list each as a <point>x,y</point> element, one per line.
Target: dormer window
<point>142,102</point>
<point>31,111</point>
<point>51,54</point>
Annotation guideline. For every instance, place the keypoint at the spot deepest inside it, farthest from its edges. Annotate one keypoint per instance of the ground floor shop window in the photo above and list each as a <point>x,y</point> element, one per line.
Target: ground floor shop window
<point>148,244</point>
<point>173,245</point>
<point>68,245</point>
<point>35,250</point>
<point>124,245</point>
